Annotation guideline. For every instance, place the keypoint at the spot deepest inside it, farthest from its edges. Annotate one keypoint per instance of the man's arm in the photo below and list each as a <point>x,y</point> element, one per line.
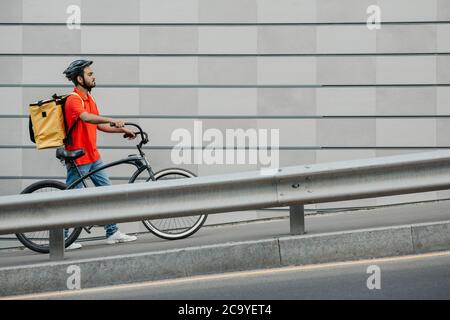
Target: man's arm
<point>107,128</point>
<point>104,124</point>
<point>94,119</point>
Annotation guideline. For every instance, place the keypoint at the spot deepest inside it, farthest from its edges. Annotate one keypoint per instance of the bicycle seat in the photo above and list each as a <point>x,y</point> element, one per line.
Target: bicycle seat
<point>63,154</point>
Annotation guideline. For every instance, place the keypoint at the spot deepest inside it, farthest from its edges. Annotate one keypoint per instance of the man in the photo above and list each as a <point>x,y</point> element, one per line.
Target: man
<point>81,107</point>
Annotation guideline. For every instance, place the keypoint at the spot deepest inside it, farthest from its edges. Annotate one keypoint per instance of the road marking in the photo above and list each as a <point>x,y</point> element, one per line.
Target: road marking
<point>224,276</point>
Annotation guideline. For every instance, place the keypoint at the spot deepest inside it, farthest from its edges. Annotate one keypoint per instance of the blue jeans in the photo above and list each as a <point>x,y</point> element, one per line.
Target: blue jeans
<point>99,179</point>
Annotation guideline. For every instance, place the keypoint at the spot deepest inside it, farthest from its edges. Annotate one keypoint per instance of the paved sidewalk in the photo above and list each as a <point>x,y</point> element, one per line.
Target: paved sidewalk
<point>316,224</point>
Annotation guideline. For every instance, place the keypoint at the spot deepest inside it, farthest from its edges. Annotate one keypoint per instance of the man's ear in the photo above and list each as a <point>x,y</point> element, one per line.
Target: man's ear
<point>80,80</point>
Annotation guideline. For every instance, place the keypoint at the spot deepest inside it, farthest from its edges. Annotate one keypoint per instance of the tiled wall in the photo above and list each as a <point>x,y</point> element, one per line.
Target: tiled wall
<point>238,58</point>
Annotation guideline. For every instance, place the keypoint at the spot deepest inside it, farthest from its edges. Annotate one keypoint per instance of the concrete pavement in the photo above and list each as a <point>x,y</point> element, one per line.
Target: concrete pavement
<point>425,276</point>
<point>315,224</point>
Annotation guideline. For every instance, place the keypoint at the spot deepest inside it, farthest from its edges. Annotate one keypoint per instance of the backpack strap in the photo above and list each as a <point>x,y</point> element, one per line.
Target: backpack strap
<point>68,138</point>
<point>91,98</point>
<point>30,130</point>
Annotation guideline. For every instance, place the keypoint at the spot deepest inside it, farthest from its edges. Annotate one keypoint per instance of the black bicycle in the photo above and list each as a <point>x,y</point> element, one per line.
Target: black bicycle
<point>168,228</point>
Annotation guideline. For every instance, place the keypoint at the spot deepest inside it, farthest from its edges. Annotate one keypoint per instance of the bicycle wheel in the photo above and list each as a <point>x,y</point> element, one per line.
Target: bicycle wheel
<point>39,240</point>
<point>171,228</point>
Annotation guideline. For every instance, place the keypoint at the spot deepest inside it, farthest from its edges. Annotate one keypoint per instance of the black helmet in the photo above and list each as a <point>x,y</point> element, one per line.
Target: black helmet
<point>76,68</point>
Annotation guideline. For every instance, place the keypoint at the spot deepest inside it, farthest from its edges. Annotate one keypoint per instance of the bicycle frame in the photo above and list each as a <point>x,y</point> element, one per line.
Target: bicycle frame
<point>168,231</point>
<point>138,161</point>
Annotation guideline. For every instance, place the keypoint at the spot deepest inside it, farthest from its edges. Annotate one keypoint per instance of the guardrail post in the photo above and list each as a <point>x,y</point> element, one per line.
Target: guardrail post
<point>56,244</point>
<point>297,219</point>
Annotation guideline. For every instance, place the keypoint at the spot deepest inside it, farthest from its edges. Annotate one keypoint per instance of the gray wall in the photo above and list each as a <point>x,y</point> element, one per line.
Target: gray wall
<point>172,57</point>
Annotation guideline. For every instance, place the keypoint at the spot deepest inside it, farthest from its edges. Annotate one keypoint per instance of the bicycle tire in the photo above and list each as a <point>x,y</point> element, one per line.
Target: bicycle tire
<point>26,239</point>
<point>156,226</point>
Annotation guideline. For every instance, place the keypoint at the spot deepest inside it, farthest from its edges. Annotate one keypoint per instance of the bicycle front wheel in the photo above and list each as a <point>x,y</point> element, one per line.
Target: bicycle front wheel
<point>171,228</point>
<point>39,240</point>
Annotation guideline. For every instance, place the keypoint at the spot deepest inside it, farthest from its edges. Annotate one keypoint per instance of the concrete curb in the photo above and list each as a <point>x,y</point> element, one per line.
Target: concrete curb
<point>228,257</point>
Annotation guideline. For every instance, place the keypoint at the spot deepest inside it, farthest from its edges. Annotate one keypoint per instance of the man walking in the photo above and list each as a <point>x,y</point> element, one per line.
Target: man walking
<point>80,107</point>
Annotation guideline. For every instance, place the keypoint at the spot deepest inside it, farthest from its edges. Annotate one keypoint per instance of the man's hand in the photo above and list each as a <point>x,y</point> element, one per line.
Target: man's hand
<point>129,134</point>
<point>117,123</point>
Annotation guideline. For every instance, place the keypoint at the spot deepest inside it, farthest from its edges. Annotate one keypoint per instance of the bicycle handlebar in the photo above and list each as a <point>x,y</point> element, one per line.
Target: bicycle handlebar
<point>144,135</point>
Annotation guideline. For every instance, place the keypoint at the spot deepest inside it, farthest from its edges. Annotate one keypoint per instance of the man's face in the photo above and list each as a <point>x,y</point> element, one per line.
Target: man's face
<point>88,78</point>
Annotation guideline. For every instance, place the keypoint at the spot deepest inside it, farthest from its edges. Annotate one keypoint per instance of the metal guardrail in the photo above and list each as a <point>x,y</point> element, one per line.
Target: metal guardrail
<point>289,186</point>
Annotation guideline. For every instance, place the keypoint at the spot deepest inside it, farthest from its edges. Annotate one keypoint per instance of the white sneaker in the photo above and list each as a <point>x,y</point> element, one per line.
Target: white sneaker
<point>119,237</point>
<point>74,246</point>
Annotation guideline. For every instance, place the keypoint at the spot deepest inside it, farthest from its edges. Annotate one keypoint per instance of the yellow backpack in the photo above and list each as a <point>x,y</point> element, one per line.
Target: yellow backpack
<point>47,123</point>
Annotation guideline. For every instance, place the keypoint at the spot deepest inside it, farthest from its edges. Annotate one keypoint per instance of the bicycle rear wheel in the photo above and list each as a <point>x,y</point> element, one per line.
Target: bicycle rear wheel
<point>171,228</point>
<point>39,240</point>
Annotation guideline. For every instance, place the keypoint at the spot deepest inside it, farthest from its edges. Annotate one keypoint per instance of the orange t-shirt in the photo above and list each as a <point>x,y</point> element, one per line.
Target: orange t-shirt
<point>84,135</point>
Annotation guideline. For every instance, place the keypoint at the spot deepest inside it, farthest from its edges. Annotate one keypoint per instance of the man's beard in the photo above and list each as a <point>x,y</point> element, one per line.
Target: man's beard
<point>88,87</point>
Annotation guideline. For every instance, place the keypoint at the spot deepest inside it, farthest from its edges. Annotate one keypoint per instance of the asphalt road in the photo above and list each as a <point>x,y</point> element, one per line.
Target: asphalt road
<point>380,217</point>
<point>424,276</point>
